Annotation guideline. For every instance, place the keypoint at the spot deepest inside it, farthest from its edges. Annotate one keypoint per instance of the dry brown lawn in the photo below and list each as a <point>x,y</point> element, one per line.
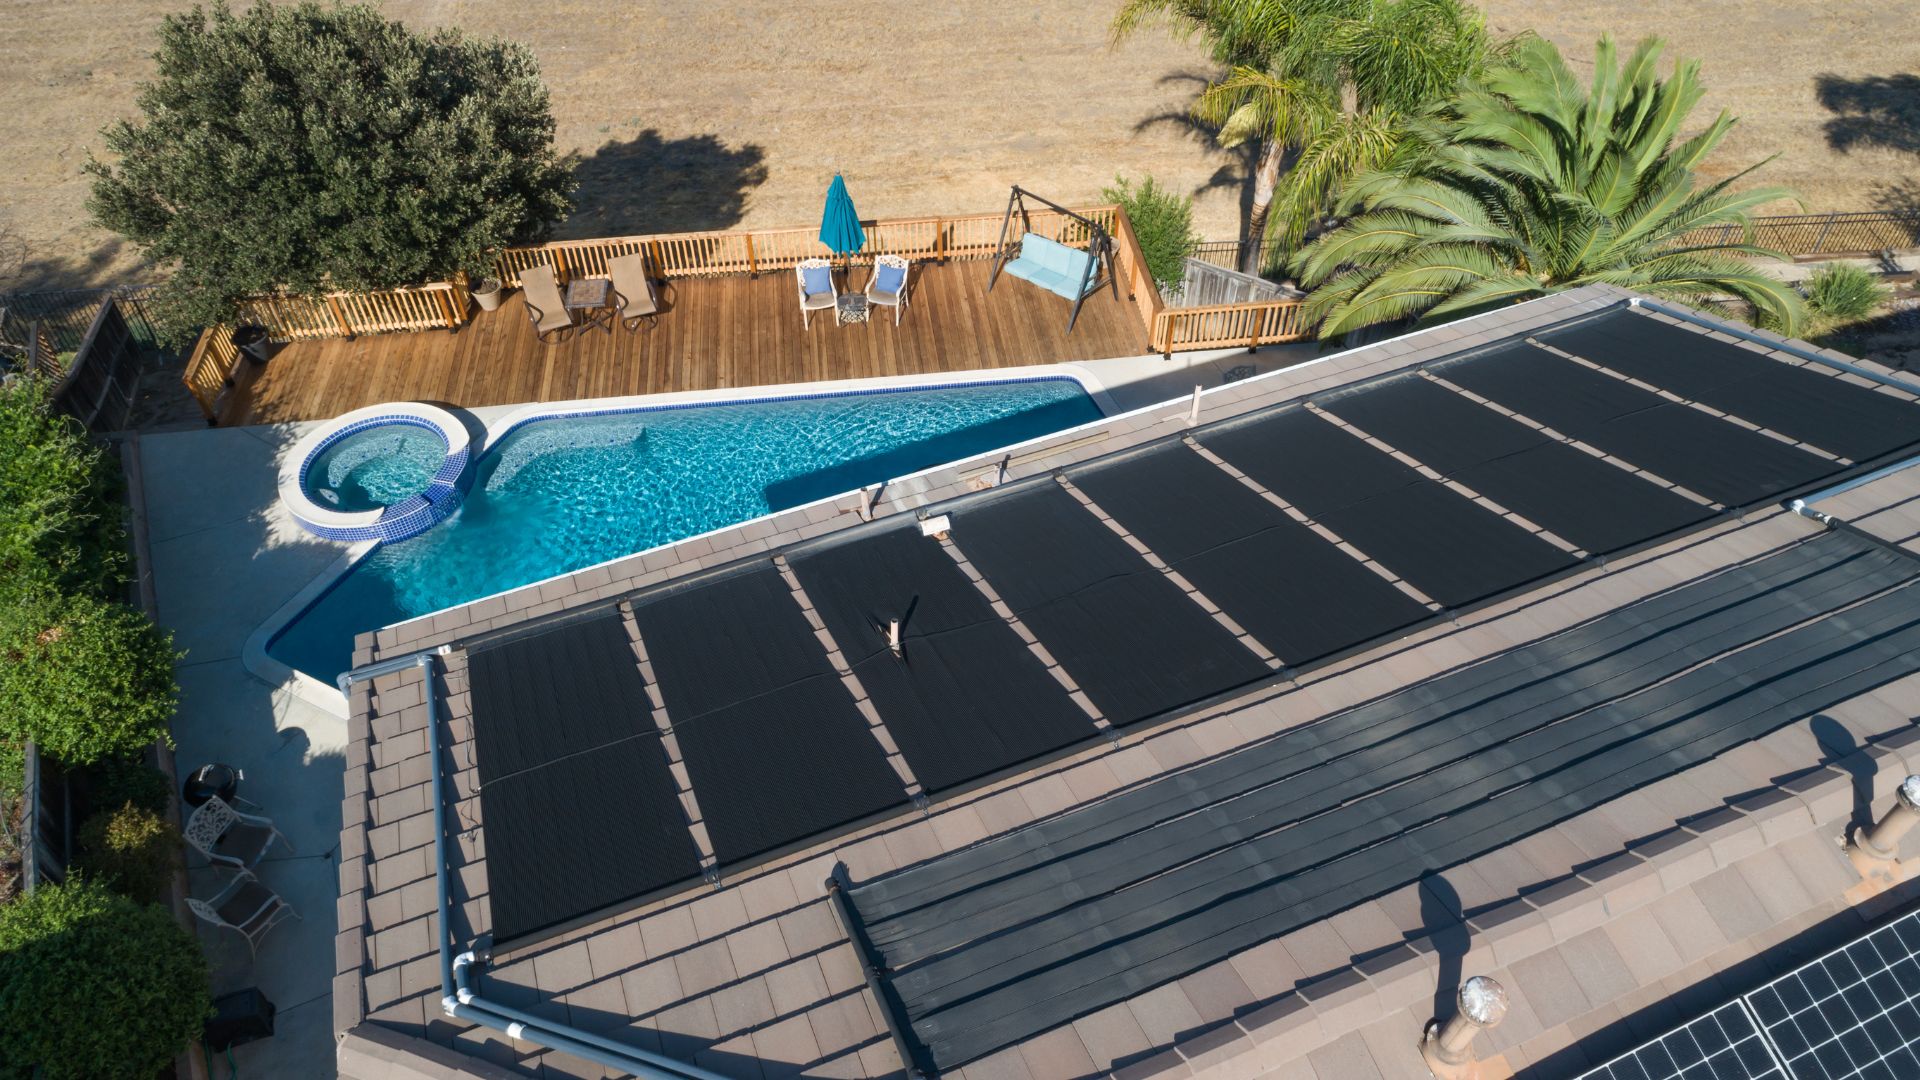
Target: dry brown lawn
<point>694,115</point>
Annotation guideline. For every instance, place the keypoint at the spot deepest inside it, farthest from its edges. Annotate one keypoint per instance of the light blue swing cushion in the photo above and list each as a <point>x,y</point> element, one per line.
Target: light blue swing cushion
<point>816,279</point>
<point>890,279</point>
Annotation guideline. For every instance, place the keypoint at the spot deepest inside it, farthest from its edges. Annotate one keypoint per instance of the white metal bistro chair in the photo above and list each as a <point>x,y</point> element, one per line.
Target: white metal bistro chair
<point>887,284</point>
<point>817,290</point>
<point>230,838</point>
<point>246,906</point>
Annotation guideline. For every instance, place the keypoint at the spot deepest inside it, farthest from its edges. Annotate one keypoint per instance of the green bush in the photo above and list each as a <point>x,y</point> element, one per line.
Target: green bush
<point>131,849</point>
<point>318,147</point>
<point>84,678</point>
<point>60,519</point>
<point>94,986</point>
<point>113,782</point>
<point>1841,293</point>
<point>1162,223</point>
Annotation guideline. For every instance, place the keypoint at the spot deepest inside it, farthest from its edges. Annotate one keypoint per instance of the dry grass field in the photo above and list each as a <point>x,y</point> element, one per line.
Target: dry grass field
<point>693,115</point>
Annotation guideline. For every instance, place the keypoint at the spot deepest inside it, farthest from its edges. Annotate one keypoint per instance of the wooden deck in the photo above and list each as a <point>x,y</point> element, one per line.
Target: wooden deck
<point>712,333</point>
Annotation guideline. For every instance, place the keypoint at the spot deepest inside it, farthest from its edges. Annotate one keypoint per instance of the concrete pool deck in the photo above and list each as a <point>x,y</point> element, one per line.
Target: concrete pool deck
<point>227,559</point>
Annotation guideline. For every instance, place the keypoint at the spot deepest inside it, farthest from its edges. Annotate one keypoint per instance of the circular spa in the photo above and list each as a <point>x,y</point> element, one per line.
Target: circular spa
<point>385,472</point>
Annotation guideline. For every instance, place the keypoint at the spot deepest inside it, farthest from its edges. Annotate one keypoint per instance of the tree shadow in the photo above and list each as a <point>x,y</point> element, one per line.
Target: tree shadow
<point>1871,111</point>
<point>648,184</point>
<point>1897,197</point>
<point>24,270</point>
<point>1236,172</point>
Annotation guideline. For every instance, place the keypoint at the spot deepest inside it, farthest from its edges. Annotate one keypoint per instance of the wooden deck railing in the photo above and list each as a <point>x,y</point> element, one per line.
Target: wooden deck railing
<point>441,305</point>
<point>209,370</point>
<point>699,254</point>
<point>1227,326</point>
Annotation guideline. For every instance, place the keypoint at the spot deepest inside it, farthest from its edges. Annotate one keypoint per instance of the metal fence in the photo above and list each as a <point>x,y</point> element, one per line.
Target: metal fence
<point>46,840</point>
<point>65,315</point>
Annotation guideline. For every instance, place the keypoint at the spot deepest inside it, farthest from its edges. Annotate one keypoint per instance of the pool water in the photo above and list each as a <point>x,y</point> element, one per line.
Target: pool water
<point>375,468</point>
<point>562,494</point>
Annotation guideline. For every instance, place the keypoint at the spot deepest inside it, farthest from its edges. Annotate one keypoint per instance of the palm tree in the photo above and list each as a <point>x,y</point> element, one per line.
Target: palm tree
<point>1329,84</point>
<point>1533,184</point>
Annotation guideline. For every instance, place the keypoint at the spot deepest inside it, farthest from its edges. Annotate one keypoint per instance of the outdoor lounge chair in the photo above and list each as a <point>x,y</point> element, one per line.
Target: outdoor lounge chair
<point>888,283</point>
<point>633,294</point>
<point>229,837</point>
<point>545,309</point>
<point>244,905</point>
<point>817,291</point>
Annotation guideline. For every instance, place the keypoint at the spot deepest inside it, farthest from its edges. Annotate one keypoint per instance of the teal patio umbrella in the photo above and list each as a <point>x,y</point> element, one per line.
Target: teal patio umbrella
<point>840,224</point>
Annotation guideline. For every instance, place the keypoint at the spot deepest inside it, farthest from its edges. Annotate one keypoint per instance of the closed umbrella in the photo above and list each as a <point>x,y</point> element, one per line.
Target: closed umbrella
<point>840,224</point>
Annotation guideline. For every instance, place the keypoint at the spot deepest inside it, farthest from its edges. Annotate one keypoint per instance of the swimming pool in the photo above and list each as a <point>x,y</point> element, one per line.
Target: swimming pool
<point>554,495</point>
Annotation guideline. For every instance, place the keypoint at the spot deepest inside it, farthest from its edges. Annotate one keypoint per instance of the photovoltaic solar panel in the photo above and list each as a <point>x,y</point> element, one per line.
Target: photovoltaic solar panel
<point>1851,1013</point>
<point>1132,640</point>
<point>1299,595</point>
<point>1732,465</point>
<point>1570,493</point>
<point>965,697</point>
<point>1457,553</point>
<point>773,742</point>
<point>1810,404</point>
<point>1722,1045</point>
<point>561,721</point>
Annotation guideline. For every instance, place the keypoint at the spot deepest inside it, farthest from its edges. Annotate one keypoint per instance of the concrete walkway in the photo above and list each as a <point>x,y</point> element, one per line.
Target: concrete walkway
<point>224,559</point>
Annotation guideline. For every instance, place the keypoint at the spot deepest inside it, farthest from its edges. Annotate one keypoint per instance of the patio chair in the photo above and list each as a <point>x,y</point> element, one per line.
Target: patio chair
<point>546,310</point>
<point>817,291</point>
<point>633,295</point>
<point>230,838</point>
<point>888,283</point>
<point>244,905</point>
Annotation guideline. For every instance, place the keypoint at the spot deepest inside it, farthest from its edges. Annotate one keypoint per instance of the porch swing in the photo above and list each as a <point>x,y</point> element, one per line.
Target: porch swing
<point>1065,271</point>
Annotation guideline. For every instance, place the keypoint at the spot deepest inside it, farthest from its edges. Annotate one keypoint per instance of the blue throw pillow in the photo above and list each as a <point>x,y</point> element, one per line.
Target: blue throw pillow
<point>890,279</point>
<point>816,279</point>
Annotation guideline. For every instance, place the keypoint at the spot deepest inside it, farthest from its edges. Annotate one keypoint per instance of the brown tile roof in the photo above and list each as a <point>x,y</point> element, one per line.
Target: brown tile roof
<point>1588,922</point>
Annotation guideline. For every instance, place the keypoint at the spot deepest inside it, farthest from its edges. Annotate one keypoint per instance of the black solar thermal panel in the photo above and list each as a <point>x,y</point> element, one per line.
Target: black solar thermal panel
<point>1132,640</point>
<point>1723,461</point>
<point>773,742</point>
<point>1812,404</point>
<point>965,697</point>
<point>1566,491</point>
<point>1441,542</point>
<point>581,811</point>
<point>1299,595</point>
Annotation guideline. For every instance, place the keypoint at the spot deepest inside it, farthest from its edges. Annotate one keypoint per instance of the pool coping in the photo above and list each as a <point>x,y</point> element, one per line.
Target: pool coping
<point>395,522</point>
<point>326,696</point>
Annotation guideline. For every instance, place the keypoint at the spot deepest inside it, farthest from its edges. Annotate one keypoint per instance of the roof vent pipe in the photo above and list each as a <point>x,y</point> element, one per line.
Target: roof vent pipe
<point>1447,1047</point>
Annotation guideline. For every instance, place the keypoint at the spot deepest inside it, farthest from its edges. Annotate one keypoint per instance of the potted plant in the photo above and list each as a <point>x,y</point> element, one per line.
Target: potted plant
<point>487,293</point>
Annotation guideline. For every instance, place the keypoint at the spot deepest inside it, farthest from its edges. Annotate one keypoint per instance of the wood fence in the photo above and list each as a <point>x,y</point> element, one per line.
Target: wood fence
<point>210,370</point>
<point>1227,326</point>
<point>1206,284</point>
<point>102,380</point>
<point>441,305</point>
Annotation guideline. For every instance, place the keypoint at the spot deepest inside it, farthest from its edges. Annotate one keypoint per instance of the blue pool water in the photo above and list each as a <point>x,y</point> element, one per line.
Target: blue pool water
<point>375,468</point>
<point>562,494</point>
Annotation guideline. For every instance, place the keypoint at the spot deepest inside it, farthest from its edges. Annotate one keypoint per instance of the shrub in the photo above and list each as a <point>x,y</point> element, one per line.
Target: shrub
<point>131,849</point>
<point>60,521</point>
<point>114,782</point>
<point>1841,293</point>
<point>318,148</point>
<point>93,985</point>
<point>84,678</point>
<point>1162,222</point>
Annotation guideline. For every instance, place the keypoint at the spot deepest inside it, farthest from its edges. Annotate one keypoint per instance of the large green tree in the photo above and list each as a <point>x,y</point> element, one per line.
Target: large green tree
<point>1325,88</point>
<point>311,148</point>
<point>1536,183</point>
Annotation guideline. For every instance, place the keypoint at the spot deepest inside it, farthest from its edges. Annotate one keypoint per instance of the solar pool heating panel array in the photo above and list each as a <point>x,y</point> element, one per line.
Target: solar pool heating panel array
<point>1807,404</point>
<point>775,748</point>
<point>563,722</point>
<point>965,697</point>
<point>1570,493</point>
<point>1442,543</point>
<point>1300,596</point>
<point>1134,642</point>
